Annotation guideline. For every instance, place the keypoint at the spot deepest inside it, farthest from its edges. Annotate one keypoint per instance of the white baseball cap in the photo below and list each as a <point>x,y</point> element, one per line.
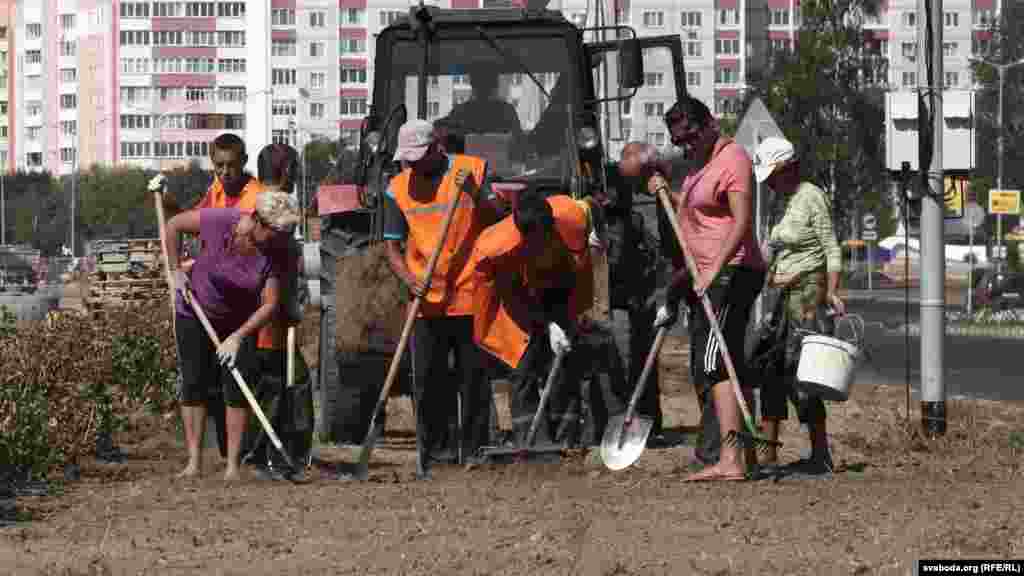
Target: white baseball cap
<point>414,137</point>
<point>771,153</point>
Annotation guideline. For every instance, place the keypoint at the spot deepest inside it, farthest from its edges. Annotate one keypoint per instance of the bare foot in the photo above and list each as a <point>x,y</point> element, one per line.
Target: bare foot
<point>718,472</point>
<point>190,471</point>
<point>231,474</point>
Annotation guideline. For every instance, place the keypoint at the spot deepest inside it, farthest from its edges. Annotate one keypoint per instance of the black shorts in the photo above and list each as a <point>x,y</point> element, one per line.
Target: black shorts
<point>202,375</point>
<point>732,296</point>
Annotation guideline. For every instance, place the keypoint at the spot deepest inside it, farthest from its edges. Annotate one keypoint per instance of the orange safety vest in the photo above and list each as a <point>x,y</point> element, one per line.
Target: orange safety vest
<point>501,315</point>
<point>272,335</point>
<point>451,288</point>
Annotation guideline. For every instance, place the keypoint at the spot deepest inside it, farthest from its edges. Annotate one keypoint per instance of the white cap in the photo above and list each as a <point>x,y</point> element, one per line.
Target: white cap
<point>771,153</point>
<point>414,137</point>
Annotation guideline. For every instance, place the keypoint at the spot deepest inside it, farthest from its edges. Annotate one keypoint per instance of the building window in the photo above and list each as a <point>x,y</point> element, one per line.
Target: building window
<point>950,49</point>
<point>952,19</point>
<point>692,79</point>
<point>352,45</point>
<point>32,133</point>
<point>200,10</point>
<point>909,19</point>
<point>389,17</point>
<point>316,109</point>
<point>33,31</point>
<point>33,57</point>
<point>726,106</point>
<point>909,79</point>
<point>34,159</point>
<point>67,48</point>
<point>778,17</point>
<point>231,66</point>
<point>952,79</point>
<point>231,94</point>
<point>726,75</point>
<point>168,9</point>
<point>693,49</point>
<point>317,19</point>
<point>654,79</point>
<point>654,109</point>
<point>656,138</point>
<point>282,107</point>
<point>68,127</point>
<point>3,32</point>
<point>355,75</point>
<point>909,50</point>
<point>69,101</point>
<point>355,16</point>
<point>233,39</point>
<point>433,109</point>
<point>282,17</point>
<point>67,21</point>
<point>134,9</point>
<point>199,94</point>
<point>316,49</point>
<point>626,107</point>
<point>780,44</point>
<point>352,106</point>
<point>281,137</point>
<point>67,155</point>
<point>984,18</point>
<point>727,46</point>
<point>654,18</point>
<point>282,76</point>
<point>689,19</point>
<point>317,80</point>
<point>33,108</point>
<point>231,10</point>
<point>282,48</point>
<point>729,17</point>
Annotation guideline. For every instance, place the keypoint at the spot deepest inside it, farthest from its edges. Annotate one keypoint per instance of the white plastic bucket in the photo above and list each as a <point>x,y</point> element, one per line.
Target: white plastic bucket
<point>827,366</point>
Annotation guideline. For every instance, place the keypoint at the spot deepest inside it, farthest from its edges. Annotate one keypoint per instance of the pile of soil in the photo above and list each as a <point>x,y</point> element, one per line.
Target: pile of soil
<point>371,304</point>
<point>895,497</point>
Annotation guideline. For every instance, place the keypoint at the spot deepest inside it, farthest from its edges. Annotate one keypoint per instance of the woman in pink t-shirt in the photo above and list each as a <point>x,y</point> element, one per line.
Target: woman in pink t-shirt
<point>714,207</point>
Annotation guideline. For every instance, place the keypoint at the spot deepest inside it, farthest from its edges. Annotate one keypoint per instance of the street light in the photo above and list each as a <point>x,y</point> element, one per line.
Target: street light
<point>1001,70</point>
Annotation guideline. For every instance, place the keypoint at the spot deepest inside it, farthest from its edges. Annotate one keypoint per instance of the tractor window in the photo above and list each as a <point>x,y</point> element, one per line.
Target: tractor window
<point>486,103</point>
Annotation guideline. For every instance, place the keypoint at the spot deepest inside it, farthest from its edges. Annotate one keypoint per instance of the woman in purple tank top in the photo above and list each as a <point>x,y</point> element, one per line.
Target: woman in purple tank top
<point>242,254</point>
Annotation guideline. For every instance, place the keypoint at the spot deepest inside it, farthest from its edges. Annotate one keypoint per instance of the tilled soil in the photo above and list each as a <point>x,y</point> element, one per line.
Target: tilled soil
<point>895,497</point>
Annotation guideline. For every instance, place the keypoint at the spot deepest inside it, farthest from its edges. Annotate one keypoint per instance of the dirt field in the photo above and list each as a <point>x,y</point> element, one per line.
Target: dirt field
<point>895,498</point>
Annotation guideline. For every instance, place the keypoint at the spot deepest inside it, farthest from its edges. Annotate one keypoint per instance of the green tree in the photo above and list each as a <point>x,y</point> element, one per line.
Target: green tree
<point>115,203</point>
<point>825,96</point>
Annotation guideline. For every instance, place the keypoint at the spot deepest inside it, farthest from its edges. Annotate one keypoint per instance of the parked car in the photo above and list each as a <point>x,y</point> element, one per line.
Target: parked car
<point>999,290</point>
<point>958,249</point>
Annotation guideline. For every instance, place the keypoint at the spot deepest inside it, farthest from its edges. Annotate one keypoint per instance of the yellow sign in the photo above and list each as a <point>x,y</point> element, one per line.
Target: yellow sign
<point>1004,202</point>
<point>954,193</point>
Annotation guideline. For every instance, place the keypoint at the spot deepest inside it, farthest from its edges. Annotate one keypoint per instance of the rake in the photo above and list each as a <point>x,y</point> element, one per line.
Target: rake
<point>750,437</point>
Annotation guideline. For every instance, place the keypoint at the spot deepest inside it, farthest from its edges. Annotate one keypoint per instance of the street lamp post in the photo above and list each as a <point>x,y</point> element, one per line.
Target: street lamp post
<point>1001,70</point>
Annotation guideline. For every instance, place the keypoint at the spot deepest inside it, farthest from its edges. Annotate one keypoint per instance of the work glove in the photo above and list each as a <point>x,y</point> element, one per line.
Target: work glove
<point>666,316</point>
<point>181,281</point>
<point>227,352</point>
<point>157,183</point>
<point>559,341</point>
<point>594,240</point>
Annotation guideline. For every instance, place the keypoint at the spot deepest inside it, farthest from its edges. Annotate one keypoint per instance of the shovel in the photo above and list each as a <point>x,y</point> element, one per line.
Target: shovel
<point>522,453</point>
<point>625,436</point>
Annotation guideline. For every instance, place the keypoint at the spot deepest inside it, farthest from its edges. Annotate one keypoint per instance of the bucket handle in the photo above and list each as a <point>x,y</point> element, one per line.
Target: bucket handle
<point>853,320</point>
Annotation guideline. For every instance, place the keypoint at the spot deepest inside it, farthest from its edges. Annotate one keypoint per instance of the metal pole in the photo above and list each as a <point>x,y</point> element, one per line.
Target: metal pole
<point>867,249</point>
<point>933,261</point>
<point>970,268</point>
<point>3,207</point>
<point>999,177</point>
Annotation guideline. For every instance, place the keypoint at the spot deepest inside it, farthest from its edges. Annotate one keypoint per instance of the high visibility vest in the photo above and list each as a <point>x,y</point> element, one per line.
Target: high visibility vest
<point>501,315</point>
<point>451,287</point>
<point>272,335</point>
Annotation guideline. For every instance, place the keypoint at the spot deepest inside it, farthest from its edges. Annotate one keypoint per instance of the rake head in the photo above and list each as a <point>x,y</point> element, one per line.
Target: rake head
<point>748,440</point>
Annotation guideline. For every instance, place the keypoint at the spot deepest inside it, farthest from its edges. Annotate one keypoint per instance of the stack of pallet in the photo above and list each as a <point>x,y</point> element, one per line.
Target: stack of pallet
<point>126,272</point>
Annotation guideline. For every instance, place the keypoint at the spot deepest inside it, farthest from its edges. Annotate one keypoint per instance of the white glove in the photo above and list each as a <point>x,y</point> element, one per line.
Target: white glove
<point>559,341</point>
<point>665,317</point>
<point>180,280</point>
<point>156,183</point>
<point>228,350</point>
<point>594,240</point>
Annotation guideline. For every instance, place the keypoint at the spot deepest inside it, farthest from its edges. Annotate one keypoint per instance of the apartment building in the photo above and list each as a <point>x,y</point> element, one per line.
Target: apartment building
<point>6,84</point>
<point>151,82</point>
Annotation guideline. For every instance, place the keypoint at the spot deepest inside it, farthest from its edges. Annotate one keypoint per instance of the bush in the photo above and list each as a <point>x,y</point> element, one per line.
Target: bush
<point>64,379</point>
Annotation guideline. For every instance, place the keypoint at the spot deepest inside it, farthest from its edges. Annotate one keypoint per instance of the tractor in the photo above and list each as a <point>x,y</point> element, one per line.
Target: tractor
<point>566,93</point>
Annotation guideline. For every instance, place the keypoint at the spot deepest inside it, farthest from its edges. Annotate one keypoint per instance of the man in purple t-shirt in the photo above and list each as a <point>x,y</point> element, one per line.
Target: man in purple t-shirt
<point>242,254</point>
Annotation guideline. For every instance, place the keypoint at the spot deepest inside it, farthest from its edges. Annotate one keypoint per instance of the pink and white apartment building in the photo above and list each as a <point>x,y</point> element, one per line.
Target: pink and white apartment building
<point>152,82</point>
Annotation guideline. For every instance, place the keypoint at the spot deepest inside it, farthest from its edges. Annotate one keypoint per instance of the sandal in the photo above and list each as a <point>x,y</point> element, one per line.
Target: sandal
<point>711,474</point>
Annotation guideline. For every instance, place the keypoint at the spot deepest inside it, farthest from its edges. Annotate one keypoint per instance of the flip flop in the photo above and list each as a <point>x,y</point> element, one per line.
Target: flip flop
<point>710,475</point>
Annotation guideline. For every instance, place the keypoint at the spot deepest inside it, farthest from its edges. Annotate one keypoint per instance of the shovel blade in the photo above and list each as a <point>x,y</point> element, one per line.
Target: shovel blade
<point>622,445</point>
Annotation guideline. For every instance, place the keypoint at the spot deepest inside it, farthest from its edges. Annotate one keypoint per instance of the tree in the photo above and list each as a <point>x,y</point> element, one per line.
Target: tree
<point>330,162</point>
<point>824,96</point>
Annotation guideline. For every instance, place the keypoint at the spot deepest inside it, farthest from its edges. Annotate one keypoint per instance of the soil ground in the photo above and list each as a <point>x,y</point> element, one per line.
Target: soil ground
<point>895,497</point>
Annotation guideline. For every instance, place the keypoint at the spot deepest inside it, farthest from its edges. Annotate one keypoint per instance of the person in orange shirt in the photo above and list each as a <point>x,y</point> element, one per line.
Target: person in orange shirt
<point>534,277</point>
<point>415,204</point>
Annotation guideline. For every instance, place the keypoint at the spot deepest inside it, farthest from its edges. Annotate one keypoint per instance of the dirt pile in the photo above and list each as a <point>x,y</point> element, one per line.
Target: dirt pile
<point>371,306</point>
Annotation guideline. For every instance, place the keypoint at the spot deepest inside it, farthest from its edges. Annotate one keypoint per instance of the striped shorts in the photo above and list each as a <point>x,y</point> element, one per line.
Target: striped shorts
<point>732,296</point>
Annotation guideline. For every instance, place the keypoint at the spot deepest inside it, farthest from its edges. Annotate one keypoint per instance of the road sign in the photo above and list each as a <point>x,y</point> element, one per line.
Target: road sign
<point>869,221</point>
<point>954,194</point>
<point>1004,202</point>
<point>869,235</point>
